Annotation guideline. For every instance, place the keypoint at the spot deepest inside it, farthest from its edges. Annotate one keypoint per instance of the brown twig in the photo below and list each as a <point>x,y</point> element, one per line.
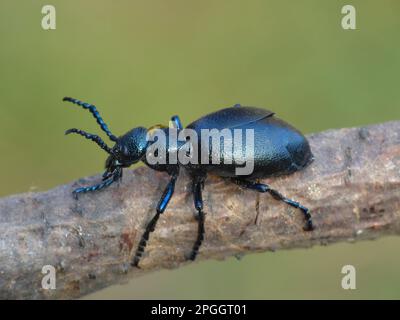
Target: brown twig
<point>352,188</point>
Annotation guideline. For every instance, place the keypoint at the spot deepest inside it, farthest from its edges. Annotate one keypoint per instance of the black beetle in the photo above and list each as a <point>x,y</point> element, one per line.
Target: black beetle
<point>279,149</point>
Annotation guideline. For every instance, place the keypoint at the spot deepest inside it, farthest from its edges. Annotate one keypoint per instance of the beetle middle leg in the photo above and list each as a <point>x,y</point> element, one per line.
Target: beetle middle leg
<point>260,187</point>
<point>198,184</point>
<point>161,206</point>
<point>177,122</point>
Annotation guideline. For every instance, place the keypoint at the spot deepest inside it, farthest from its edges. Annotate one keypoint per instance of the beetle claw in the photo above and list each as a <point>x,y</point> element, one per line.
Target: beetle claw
<point>309,226</point>
<point>75,195</point>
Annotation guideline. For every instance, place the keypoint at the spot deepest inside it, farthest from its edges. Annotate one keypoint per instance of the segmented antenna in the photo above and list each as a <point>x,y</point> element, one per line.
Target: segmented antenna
<point>95,113</point>
<point>92,137</point>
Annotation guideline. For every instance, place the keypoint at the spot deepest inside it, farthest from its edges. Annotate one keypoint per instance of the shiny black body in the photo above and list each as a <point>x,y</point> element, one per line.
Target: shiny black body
<point>279,149</point>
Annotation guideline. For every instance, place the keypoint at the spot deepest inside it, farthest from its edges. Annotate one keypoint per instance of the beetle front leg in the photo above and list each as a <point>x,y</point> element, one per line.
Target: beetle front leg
<point>161,206</point>
<point>260,187</point>
<point>107,181</point>
<point>198,185</point>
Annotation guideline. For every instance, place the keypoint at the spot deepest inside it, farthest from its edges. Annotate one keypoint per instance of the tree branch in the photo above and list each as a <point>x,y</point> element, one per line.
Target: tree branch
<point>352,188</point>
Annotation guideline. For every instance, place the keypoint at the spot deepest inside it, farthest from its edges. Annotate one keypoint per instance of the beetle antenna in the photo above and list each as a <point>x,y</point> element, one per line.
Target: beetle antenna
<point>92,137</point>
<point>95,113</point>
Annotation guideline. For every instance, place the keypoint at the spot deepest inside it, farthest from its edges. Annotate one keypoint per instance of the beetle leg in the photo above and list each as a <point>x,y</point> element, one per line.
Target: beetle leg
<point>96,187</point>
<point>106,175</point>
<point>120,175</point>
<point>177,122</point>
<point>161,206</point>
<point>198,203</point>
<point>260,187</point>
<point>106,183</point>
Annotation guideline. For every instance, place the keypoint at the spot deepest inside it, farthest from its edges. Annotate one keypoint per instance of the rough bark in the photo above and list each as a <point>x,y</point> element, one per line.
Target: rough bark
<point>352,188</point>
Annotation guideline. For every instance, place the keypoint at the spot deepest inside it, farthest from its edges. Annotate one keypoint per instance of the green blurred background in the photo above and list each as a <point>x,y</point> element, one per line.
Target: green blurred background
<point>142,61</point>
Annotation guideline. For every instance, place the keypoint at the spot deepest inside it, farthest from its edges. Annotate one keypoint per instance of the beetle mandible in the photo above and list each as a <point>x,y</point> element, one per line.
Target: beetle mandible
<point>279,149</point>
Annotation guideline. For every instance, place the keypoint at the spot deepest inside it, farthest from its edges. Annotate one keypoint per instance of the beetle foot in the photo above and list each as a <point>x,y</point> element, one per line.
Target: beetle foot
<point>190,256</point>
<point>75,195</point>
<point>135,264</point>
<point>309,226</point>
<point>307,215</point>
<point>197,217</point>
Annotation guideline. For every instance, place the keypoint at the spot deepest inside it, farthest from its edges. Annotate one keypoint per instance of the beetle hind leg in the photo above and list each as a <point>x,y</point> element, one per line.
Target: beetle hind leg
<point>260,187</point>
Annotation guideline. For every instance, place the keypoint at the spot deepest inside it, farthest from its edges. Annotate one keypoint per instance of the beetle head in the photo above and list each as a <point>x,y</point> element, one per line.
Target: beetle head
<point>128,149</point>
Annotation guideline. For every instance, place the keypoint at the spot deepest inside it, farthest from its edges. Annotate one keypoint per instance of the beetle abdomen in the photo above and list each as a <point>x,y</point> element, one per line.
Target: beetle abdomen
<point>230,117</point>
<point>279,148</point>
